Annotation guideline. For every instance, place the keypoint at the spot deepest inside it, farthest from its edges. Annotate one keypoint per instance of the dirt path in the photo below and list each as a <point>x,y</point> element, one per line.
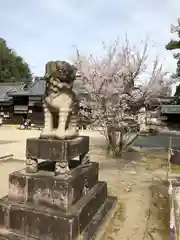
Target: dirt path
<point>130,182</point>
<point>134,199</point>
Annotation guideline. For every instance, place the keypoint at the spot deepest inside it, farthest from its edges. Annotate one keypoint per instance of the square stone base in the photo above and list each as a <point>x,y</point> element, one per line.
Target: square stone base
<point>52,191</point>
<point>25,222</point>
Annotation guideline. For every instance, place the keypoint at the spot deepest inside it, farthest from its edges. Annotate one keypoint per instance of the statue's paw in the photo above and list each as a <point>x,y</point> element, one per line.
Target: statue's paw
<point>59,134</point>
<point>65,134</point>
<point>71,133</point>
<point>46,133</point>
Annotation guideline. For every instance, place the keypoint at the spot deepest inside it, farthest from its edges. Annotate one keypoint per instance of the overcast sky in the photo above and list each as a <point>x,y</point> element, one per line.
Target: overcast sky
<point>43,30</point>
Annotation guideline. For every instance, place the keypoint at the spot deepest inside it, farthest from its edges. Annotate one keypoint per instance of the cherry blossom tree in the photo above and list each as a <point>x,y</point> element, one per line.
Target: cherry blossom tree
<point>118,87</point>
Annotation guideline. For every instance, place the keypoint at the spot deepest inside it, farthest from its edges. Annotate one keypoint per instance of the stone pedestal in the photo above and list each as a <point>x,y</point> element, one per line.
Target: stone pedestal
<point>47,206</point>
<point>59,151</point>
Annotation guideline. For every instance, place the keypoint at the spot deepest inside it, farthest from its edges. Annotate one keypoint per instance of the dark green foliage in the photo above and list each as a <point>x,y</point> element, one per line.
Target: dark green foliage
<point>12,67</point>
<point>177,93</point>
<point>172,45</point>
<point>175,45</point>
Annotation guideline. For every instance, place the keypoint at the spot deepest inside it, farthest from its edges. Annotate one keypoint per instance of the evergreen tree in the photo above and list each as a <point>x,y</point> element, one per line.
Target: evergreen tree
<point>175,45</point>
<point>12,67</point>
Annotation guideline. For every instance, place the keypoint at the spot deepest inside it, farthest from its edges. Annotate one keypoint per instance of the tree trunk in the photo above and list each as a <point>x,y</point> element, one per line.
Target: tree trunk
<point>121,142</point>
<point>115,141</point>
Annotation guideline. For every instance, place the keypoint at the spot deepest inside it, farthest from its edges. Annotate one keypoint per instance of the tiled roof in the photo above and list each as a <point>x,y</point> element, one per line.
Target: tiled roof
<point>38,88</point>
<point>6,88</point>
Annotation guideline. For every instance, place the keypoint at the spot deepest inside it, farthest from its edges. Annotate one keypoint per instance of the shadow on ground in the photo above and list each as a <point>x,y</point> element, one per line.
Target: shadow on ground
<point>6,142</point>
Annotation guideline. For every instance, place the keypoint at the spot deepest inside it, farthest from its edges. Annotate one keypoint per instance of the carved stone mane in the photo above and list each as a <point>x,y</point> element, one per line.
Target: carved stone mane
<point>59,75</point>
<point>60,100</point>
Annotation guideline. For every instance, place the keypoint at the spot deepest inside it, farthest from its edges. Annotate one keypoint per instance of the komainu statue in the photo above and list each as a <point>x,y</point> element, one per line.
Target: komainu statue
<point>60,104</point>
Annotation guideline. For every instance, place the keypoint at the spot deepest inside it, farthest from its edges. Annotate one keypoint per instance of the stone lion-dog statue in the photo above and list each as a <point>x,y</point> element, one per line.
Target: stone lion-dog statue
<point>60,104</point>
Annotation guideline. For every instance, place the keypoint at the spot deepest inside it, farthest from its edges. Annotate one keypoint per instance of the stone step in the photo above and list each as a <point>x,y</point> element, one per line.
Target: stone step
<point>52,224</point>
<point>52,191</point>
<point>93,229</point>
